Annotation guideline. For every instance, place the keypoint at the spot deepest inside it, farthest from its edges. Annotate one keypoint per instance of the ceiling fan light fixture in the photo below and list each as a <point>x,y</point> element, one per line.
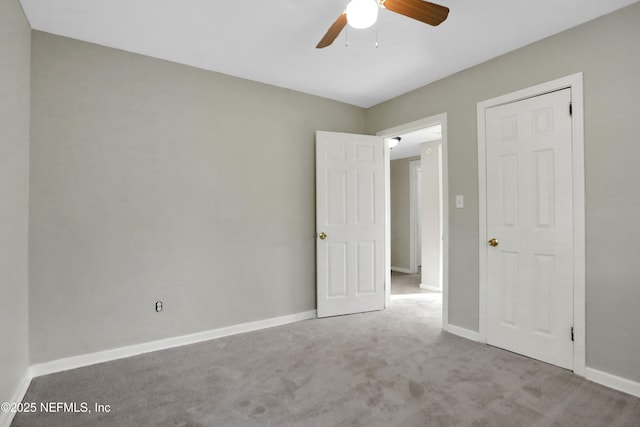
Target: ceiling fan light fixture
<point>362,13</point>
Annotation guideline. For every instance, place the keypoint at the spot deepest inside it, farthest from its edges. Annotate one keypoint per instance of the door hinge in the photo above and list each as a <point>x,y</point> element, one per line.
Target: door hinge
<point>572,337</point>
<point>571,109</point>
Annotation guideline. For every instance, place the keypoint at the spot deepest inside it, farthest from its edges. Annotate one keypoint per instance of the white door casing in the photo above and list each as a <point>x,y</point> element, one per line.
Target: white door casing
<point>529,211</point>
<point>350,221</point>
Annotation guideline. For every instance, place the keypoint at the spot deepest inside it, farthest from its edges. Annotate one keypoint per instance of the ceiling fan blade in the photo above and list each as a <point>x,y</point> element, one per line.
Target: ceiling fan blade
<point>333,31</point>
<point>423,11</point>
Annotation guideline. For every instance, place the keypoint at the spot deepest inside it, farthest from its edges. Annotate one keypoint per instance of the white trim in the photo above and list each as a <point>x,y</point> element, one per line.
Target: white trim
<point>579,227</point>
<point>7,417</point>
<point>402,270</point>
<point>133,350</point>
<point>444,173</point>
<point>408,127</point>
<point>430,288</point>
<point>613,381</point>
<point>462,332</point>
<point>575,83</point>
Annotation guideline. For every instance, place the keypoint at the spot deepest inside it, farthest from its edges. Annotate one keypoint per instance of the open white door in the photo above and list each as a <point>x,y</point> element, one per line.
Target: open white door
<point>350,223</point>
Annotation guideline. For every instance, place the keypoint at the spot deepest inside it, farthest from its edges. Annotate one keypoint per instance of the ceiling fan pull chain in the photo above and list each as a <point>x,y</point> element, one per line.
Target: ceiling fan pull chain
<point>377,44</point>
<point>346,36</point>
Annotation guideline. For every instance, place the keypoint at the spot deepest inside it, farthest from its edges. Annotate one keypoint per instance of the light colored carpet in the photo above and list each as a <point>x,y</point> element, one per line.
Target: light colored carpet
<point>403,284</point>
<point>389,368</point>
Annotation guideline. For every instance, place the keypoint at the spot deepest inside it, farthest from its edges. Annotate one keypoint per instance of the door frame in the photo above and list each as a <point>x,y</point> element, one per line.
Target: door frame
<point>575,83</point>
<point>394,131</point>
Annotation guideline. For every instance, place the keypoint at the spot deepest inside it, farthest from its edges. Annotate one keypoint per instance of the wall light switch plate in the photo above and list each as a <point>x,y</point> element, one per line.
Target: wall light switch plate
<point>460,201</point>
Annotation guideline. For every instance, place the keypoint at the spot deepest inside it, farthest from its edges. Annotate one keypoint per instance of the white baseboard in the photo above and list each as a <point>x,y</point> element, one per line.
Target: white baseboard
<point>7,417</point>
<point>613,381</point>
<point>602,378</point>
<point>430,288</point>
<point>402,270</point>
<point>134,350</point>
<point>463,332</point>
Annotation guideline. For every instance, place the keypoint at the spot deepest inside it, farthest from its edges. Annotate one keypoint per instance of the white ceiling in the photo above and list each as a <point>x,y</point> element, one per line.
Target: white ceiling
<point>274,41</point>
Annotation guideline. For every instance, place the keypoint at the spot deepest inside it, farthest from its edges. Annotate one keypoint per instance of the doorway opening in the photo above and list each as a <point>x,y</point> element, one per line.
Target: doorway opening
<point>416,202</point>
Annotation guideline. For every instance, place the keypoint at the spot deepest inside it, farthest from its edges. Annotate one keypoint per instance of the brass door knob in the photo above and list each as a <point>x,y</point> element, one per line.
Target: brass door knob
<point>322,235</point>
<point>493,242</point>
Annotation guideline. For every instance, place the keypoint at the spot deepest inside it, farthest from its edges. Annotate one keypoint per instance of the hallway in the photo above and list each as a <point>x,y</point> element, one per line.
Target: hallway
<point>402,283</point>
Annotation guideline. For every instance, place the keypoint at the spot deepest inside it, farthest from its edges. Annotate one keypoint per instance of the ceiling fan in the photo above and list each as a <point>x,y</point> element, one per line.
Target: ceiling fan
<point>364,13</point>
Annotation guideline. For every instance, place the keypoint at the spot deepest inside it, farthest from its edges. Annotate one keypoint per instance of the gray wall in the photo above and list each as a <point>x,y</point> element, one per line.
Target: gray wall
<point>155,181</point>
<point>431,212</point>
<point>606,50</point>
<point>400,198</point>
<point>15,39</point>
<point>152,180</point>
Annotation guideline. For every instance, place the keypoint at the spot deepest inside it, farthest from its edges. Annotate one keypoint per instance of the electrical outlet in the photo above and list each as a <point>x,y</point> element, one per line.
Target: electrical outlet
<point>158,306</point>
